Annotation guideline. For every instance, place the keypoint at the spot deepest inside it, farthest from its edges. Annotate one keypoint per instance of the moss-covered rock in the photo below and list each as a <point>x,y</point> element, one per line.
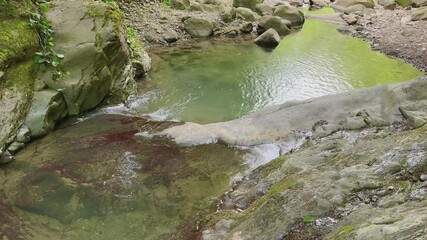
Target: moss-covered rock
<point>18,42</point>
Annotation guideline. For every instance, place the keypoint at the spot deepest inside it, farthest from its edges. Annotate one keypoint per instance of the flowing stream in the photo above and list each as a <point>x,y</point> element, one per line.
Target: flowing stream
<point>103,179</point>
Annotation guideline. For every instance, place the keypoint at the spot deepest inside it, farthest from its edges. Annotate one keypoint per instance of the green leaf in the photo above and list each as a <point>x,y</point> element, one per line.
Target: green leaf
<point>44,8</point>
<point>308,219</point>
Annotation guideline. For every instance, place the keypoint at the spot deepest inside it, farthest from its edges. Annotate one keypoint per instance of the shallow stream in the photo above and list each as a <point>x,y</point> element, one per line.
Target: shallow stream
<point>106,178</point>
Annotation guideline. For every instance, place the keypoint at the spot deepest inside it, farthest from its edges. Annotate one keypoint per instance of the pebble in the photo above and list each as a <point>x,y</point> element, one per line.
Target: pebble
<point>424,49</point>
<point>390,188</point>
<point>423,177</point>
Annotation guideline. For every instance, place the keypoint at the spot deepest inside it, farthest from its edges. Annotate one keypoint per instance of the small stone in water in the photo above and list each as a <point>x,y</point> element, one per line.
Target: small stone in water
<point>390,188</point>
<point>423,177</point>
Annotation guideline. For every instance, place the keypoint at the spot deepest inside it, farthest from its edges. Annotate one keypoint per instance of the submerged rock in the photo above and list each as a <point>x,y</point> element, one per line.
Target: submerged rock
<point>269,39</point>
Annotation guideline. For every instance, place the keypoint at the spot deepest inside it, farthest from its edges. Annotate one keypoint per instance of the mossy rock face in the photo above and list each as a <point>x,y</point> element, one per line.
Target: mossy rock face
<point>18,42</point>
<point>91,37</point>
<point>15,8</point>
<point>95,50</point>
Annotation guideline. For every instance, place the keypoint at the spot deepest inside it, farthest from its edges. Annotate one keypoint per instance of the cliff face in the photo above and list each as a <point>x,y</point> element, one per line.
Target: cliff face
<point>97,64</point>
<point>18,43</point>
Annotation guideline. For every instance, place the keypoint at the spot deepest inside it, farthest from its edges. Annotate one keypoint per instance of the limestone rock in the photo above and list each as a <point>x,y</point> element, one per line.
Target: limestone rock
<point>390,6</point>
<point>354,9</point>
<point>18,43</point>
<point>351,19</point>
<point>280,25</point>
<point>180,4</point>
<point>317,4</point>
<point>246,28</point>
<point>23,135</point>
<point>232,33</point>
<point>171,36</point>
<point>246,3</point>
<point>96,56</point>
<point>269,39</point>
<point>15,146</point>
<point>341,5</point>
<point>198,27</point>
<point>5,157</point>
<point>291,14</point>
<point>419,14</point>
<point>47,108</point>
<point>263,9</point>
<point>385,2</point>
<point>419,3</point>
<point>246,14</point>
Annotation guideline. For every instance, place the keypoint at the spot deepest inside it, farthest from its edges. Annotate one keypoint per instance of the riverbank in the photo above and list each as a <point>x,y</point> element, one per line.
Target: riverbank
<point>393,33</point>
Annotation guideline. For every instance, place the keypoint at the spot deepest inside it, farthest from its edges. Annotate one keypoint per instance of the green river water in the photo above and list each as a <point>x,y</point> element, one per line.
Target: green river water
<point>226,81</point>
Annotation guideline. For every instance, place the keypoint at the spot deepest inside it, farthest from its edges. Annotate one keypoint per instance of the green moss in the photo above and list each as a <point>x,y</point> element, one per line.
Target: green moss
<point>17,40</point>
<point>404,3</point>
<point>21,76</point>
<point>272,166</point>
<point>15,8</point>
<point>345,232</point>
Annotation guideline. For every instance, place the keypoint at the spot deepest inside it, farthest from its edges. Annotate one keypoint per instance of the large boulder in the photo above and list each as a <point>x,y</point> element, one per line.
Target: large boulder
<point>269,39</point>
<point>419,14</point>
<point>291,14</point>
<point>341,5</point>
<point>97,56</point>
<point>198,27</point>
<point>263,9</point>
<point>419,3</point>
<point>281,25</point>
<point>246,14</point>
<point>180,4</point>
<point>354,9</point>
<point>246,3</point>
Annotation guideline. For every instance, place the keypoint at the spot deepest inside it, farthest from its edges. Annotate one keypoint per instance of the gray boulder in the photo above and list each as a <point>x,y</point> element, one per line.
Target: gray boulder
<point>269,39</point>
<point>246,3</point>
<point>419,3</point>
<point>198,27</point>
<point>354,8</point>
<point>282,26</point>
<point>263,9</point>
<point>180,4</point>
<point>291,14</point>
<point>419,14</point>
<point>246,14</point>
<point>246,28</point>
<point>341,5</point>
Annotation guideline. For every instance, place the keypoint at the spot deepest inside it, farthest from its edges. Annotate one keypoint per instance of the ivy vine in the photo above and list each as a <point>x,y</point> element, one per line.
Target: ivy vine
<point>43,26</point>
